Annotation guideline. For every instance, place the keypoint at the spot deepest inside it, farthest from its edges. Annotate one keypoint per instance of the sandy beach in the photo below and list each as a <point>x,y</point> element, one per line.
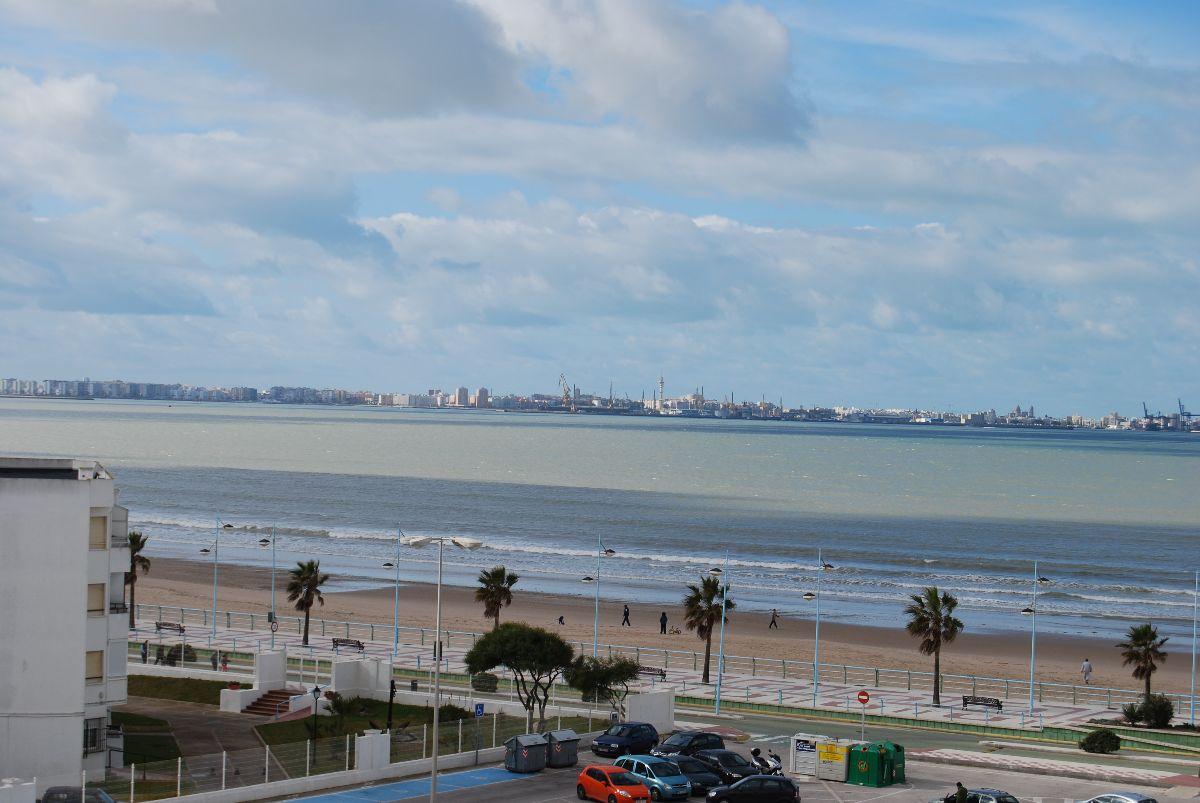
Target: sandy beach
<point>1005,655</point>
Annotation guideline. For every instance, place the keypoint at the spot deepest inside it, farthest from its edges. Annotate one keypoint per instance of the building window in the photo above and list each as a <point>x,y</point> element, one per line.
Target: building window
<point>95,599</point>
<point>95,735</point>
<point>93,666</point>
<point>98,533</point>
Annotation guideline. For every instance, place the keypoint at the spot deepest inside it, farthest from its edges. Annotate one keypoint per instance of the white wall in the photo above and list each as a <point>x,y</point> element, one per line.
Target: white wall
<point>655,707</point>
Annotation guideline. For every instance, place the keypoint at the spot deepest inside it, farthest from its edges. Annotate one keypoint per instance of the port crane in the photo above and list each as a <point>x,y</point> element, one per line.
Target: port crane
<point>1184,415</point>
<point>567,398</point>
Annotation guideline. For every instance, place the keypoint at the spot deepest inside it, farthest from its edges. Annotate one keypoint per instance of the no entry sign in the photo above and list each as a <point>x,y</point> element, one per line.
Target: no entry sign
<point>863,697</point>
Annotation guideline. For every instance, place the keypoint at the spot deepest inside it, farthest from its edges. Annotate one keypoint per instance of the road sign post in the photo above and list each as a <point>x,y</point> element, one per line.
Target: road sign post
<point>863,699</point>
<point>478,719</point>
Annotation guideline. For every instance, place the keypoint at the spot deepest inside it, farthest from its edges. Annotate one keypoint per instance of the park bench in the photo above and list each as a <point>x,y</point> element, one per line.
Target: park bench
<point>172,626</point>
<point>352,643</point>
<point>653,671</point>
<point>986,702</point>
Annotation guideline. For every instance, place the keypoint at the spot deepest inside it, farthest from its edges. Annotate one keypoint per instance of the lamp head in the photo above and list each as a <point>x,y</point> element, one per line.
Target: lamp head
<point>608,553</point>
<point>264,542</point>
<point>1044,581</point>
<point>205,550</point>
<point>826,565</point>
<point>588,579</point>
<point>469,544</point>
<point>227,526</point>
<point>1027,611</point>
<point>809,596</point>
<point>716,571</point>
<point>389,565</point>
<point>416,540</point>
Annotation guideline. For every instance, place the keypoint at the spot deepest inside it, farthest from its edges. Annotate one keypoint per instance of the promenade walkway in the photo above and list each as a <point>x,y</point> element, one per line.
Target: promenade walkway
<point>736,687</point>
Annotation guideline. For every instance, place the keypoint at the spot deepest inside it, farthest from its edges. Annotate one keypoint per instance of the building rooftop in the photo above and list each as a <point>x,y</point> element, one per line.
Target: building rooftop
<point>52,468</point>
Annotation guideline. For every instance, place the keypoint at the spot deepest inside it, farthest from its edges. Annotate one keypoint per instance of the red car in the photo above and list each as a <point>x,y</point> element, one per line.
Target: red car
<point>610,784</point>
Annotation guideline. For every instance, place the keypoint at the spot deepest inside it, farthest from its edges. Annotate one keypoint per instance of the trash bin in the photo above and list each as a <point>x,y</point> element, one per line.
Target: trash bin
<point>804,753</point>
<point>412,685</point>
<point>562,748</point>
<point>525,753</point>
<point>897,758</point>
<point>870,764</point>
<point>833,758</point>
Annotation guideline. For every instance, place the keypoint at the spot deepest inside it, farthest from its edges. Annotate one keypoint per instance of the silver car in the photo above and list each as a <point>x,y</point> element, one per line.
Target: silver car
<point>1122,797</point>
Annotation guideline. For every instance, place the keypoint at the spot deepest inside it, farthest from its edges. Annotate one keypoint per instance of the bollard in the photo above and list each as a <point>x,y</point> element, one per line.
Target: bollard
<point>132,776</point>
<point>267,764</point>
<point>307,757</point>
<point>223,763</point>
<point>781,697</point>
<point>347,751</point>
<point>496,721</point>
<point>460,735</point>
<point>179,777</point>
<point>424,738</point>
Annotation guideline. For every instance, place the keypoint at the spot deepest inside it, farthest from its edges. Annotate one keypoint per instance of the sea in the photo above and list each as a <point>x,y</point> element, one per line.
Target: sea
<point>1112,518</point>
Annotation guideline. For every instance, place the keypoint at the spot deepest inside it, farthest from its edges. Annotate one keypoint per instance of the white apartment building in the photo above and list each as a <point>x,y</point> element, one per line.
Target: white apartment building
<point>64,551</point>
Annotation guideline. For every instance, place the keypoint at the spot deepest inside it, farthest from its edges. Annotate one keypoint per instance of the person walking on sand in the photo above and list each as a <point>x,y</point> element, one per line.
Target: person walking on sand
<point>662,623</point>
<point>1085,669</point>
<point>562,621</point>
<point>625,618</point>
<point>145,650</point>
<point>960,793</point>
<point>774,620</point>
<point>213,658</point>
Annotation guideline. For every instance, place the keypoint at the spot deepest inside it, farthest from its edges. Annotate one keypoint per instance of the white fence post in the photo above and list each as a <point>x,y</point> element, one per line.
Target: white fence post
<point>179,777</point>
<point>267,764</point>
<point>307,757</point>
<point>495,724</point>
<point>348,751</point>
<point>223,755</point>
<point>132,779</point>
<point>460,736</point>
<point>424,739</point>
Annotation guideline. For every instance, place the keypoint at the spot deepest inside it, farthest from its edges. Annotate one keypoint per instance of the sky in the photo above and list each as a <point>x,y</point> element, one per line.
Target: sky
<point>939,205</point>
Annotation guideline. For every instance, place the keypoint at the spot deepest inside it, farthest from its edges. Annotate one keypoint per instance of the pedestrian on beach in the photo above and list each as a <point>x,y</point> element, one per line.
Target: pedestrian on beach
<point>960,793</point>
<point>774,620</point>
<point>145,650</point>
<point>625,618</point>
<point>1086,670</point>
<point>562,621</point>
<point>662,623</point>
<point>213,658</point>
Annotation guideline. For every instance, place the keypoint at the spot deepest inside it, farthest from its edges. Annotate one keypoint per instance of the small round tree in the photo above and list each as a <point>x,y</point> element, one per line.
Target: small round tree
<point>535,657</point>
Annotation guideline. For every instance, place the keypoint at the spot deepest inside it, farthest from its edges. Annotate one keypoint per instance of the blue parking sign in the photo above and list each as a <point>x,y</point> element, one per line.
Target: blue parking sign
<point>478,709</point>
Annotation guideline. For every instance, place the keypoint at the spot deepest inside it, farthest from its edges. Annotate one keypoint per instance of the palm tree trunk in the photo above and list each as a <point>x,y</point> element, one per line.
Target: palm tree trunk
<point>1147,685</point>
<point>307,611</point>
<point>707,655</point>
<point>496,624</point>
<point>132,604</point>
<point>937,676</point>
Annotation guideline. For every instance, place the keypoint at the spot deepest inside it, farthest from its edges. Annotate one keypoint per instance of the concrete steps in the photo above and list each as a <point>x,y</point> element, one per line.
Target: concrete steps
<point>269,704</point>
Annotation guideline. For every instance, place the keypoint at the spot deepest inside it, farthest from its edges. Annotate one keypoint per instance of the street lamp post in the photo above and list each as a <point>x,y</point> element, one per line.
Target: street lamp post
<point>1195,603</point>
<point>605,552</point>
<point>396,594</point>
<point>723,577</point>
<point>1031,611</point>
<point>809,596</point>
<point>216,562</point>
<point>274,617</point>
<point>461,543</point>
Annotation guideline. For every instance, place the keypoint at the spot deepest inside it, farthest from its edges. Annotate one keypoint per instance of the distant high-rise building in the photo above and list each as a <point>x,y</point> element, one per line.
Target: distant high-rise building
<point>482,399</point>
<point>462,397</point>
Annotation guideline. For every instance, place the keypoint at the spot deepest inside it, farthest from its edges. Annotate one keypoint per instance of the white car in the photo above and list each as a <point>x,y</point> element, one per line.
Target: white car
<point>1122,797</point>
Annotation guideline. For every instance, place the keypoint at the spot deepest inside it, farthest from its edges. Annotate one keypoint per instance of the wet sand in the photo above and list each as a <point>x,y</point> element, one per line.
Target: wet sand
<point>1004,655</point>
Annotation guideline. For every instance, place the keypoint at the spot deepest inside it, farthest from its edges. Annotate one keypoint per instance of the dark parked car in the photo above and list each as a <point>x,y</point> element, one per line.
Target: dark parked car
<point>699,774</point>
<point>688,742</point>
<point>757,789</point>
<point>624,738</point>
<point>981,796</point>
<point>730,766</point>
<point>70,794</point>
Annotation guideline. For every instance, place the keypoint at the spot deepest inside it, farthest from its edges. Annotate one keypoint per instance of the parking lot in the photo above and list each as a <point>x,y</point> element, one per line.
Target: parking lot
<point>926,782</point>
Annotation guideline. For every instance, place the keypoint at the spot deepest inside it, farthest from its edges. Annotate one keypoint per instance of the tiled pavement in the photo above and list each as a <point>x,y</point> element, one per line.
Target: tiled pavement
<point>1190,785</point>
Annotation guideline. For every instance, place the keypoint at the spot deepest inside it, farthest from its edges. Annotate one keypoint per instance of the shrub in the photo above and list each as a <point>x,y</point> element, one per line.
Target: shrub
<point>1132,713</point>
<point>185,650</point>
<point>1101,740</point>
<point>1158,711</point>
<point>451,713</point>
<point>485,682</point>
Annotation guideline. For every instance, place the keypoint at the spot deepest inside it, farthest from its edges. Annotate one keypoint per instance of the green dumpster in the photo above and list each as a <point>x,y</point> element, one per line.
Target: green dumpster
<point>870,764</point>
<point>897,753</point>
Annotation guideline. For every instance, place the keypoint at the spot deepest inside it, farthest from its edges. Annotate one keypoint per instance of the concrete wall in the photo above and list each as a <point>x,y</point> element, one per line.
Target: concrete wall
<point>655,707</point>
<point>45,568</point>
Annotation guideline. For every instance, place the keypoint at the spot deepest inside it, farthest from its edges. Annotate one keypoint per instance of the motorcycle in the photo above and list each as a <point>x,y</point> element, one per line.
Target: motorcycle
<point>771,765</point>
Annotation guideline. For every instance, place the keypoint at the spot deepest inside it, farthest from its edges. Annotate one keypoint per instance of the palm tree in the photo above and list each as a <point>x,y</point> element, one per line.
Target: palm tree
<point>702,613</point>
<point>304,588</point>
<point>137,563</point>
<point>495,591</point>
<point>931,618</point>
<point>1142,649</point>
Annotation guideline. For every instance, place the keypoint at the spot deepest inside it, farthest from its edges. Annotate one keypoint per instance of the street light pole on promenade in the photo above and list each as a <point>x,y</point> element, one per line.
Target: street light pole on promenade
<point>396,594</point>
<point>1195,603</point>
<point>274,616</point>
<point>605,552</point>
<point>723,578</point>
<point>216,562</point>
<point>461,543</point>
<point>822,566</point>
<point>1032,611</point>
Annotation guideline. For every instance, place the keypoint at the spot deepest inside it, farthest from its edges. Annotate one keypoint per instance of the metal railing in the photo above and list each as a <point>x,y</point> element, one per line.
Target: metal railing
<point>667,659</point>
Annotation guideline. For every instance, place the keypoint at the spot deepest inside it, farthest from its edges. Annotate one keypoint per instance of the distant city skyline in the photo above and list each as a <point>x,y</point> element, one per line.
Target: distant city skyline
<point>461,396</point>
<point>916,204</point>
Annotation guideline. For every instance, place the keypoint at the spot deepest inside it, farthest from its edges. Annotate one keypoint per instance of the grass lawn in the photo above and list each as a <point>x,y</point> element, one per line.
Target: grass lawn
<point>139,723</point>
<point>141,748</point>
<point>188,690</point>
<point>365,714</point>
